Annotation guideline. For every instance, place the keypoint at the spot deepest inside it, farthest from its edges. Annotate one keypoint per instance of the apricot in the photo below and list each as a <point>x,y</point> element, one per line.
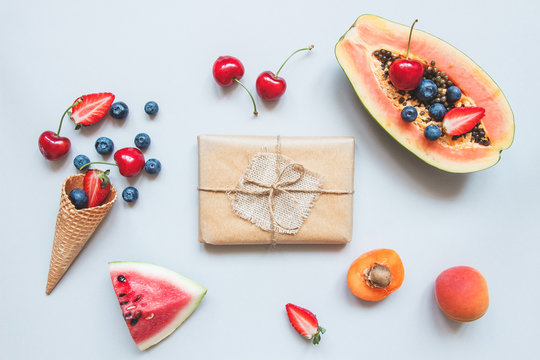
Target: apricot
<point>376,274</point>
<point>462,293</point>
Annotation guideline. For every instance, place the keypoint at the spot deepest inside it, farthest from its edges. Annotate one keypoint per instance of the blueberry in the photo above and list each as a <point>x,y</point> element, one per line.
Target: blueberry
<point>409,113</point>
<point>432,132</point>
<point>437,111</point>
<point>80,160</point>
<point>453,94</point>
<point>142,140</point>
<point>152,166</point>
<point>79,198</point>
<point>119,110</point>
<point>104,145</point>
<point>130,194</point>
<point>151,108</point>
<point>427,90</point>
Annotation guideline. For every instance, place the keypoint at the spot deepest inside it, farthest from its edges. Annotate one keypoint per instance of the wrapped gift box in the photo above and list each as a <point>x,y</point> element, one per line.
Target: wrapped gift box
<point>273,189</point>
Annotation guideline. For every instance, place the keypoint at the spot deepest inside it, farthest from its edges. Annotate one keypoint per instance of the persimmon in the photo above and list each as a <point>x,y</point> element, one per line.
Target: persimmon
<point>376,274</point>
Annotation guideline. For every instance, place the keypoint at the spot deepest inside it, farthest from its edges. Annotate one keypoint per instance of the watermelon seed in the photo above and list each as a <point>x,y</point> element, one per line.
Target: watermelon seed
<point>121,278</point>
<point>123,303</point>
<point>131,307</point>
<point>121,295</point>
<point>136,318</point>
<point>137,298</point>
<point>149,317</point>
<point>127,315</point>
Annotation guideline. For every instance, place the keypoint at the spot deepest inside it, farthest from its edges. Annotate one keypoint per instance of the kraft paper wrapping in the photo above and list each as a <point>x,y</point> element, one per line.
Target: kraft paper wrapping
<point>223,161</point>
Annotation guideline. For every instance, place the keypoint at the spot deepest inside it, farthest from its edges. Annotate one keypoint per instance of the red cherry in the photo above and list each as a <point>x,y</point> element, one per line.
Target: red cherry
<point>406,74</point>
<point>52,146</point>
<point>270,86</point>
<point>130,161</point>
<point>228,70</point>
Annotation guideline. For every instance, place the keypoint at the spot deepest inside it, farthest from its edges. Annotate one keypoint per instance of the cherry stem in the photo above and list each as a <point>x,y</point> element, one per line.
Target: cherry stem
<point>97,162</point>
<point>290,56</point>
<point>255,112</point>
<point>77,102</point>
<point>410,35</point>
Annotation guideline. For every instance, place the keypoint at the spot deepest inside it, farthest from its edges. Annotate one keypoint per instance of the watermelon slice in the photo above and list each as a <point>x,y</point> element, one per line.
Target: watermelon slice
<point>154,300</point>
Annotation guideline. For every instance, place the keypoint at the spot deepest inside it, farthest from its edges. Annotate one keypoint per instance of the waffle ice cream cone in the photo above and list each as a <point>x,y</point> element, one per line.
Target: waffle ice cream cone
<point>73,229</point>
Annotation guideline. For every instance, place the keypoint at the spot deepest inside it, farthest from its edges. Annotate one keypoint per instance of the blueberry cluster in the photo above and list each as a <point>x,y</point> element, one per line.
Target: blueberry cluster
<point>105,146</point>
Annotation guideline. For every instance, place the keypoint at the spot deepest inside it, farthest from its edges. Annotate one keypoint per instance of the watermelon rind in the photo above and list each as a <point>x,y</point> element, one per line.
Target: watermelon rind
<point>196,291</point>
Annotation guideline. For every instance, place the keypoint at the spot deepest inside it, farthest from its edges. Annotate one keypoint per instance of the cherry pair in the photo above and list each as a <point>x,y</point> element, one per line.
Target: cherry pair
<point>270,87</point>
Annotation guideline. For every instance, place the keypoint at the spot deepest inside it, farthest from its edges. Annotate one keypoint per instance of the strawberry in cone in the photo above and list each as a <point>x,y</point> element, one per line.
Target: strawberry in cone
<point>75,225</point>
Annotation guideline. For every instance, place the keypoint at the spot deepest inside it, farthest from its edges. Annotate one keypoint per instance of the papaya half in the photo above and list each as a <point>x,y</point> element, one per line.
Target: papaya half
<point>359,54</point>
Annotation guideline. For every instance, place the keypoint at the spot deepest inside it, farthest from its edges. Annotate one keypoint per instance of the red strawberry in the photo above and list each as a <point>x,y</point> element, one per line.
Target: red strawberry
<point>460,120</point>
<point>92,108</point>
<point>97,186</point>
<point>305,322</point>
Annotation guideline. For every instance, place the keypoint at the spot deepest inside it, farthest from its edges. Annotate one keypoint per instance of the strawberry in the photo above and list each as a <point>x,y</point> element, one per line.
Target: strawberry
<point>460,120</point>
<point>305,322</point>
<point>91,108</point>
<point>97,186</point>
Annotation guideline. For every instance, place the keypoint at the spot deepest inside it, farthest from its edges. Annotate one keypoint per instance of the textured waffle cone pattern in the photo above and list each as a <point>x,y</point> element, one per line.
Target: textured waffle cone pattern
<point>73,229</point>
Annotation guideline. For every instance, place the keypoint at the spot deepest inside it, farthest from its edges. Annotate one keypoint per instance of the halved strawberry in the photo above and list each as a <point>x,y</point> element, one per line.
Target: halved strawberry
<point>460,120</point>
<point>305,322</point>
<point>92,108</point>
<point>97,186</point>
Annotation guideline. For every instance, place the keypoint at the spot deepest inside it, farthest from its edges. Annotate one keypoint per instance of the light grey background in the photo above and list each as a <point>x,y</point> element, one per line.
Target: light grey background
<point>52,52</point>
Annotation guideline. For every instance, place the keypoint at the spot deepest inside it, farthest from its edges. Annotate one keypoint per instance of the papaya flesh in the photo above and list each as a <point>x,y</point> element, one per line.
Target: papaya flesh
<point>355,52</point>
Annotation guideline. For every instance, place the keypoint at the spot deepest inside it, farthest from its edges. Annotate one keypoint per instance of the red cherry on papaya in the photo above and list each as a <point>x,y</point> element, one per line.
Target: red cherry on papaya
<point>130,161</point>
<point>227,70</point>
<point>270,86</point>
<point>52,146</point>
<point>406,74</point>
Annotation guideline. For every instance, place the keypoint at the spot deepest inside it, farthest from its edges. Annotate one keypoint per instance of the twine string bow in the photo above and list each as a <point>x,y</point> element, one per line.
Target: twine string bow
<point>273,189</point>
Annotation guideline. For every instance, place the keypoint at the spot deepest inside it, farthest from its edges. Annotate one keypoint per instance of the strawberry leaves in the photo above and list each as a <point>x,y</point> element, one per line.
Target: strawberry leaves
<point>317,337</point>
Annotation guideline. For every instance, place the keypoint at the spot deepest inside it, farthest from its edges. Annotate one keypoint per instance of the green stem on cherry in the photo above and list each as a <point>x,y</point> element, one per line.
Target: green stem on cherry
<point>98,162</point>
<point>410,35</point>
<point>255,112</point>
<point>290,56</point>
<point>77,102</point>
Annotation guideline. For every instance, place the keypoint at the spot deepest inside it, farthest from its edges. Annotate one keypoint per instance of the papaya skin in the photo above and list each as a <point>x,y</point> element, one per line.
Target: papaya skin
<point>375,274</point>
<point>369,33</point>
<point>462,293</point>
